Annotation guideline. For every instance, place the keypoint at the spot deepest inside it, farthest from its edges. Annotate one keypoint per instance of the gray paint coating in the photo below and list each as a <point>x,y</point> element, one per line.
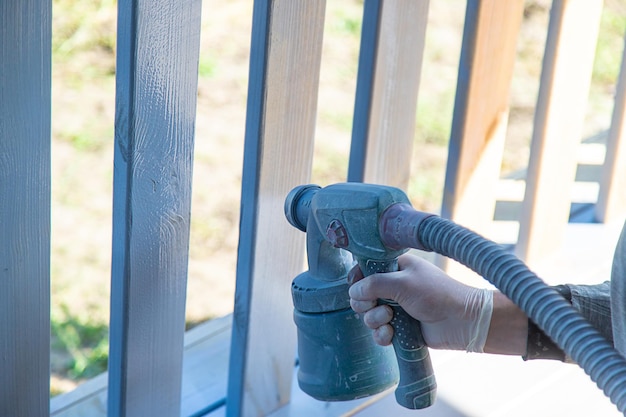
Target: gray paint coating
<point>25,33</point>
<point>248,210</point>
<point>372,10</point>
<point>157,62</point>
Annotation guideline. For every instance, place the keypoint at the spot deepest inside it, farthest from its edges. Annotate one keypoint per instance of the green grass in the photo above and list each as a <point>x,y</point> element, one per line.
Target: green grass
<point>82,25</point>
<point>85,341</point>
<point>346,24</point>
<point>207,66</point>
<point>85,139</point>
<point>610,43</point>
<point>434,118</point>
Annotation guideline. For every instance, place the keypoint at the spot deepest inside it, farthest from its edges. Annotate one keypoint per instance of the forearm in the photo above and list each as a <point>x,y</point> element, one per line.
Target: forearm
<point>508,330</point>
<point>509,327</point>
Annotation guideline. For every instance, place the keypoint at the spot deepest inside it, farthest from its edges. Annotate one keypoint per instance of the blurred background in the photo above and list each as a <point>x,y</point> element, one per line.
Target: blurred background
<point>83,106</point>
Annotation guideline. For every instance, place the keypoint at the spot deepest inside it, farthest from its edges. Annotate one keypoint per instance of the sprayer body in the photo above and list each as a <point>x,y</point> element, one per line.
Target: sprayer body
<point>338,358</point>
<point>342,226</point>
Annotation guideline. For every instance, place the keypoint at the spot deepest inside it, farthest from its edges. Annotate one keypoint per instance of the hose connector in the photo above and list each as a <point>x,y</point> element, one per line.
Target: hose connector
<point>399,225</point>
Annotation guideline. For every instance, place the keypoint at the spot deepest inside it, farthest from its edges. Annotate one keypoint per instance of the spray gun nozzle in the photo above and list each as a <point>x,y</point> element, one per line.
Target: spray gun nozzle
<point>297,205</point>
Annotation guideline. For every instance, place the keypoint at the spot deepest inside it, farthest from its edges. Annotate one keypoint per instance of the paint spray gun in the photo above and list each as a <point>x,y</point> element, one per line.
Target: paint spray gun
<point>338,358</point>
<point>374,225</point>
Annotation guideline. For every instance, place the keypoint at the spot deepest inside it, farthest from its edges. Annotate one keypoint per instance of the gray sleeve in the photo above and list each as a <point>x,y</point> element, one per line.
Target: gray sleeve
<point>618,294</point>
<point>604,305</point>
<point>594,303</point>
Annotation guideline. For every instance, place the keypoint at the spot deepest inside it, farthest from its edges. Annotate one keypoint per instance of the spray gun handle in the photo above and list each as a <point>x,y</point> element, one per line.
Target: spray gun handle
<point>417,386</point>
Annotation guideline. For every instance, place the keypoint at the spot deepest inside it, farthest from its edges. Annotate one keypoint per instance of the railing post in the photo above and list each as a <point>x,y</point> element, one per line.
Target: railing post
<point>157,64</point>
<point>390,63</point>
<point>25,81</point>
<point>481,112</point>
<point>282,99</point>
<point>563,94</point>
<point>612,196</point>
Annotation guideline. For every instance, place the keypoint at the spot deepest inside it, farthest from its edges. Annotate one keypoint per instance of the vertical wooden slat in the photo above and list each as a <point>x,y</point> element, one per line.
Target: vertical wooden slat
<point>282,99</point>
<point>480,111</point>
<point>390,63</point>
<point>612,196</point>
<point>25,81</point>
<point>563,91</point>
<point>157,62</point>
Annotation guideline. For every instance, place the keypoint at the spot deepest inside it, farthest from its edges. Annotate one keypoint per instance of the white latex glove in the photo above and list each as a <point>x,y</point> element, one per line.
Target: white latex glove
<point>452,315</point>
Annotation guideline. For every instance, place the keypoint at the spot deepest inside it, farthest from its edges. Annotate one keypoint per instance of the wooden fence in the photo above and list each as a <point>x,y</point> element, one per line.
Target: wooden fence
<point>157,61</point>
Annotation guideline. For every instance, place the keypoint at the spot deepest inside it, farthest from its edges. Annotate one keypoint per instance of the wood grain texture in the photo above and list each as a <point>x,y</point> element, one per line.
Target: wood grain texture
<point>612,195</point>
<point>157,62</point>
<point>282,100</point>
<point>480,114</point>
<point>25,85</point>
<point>390,63</point>
<point>480,109</point>
<point>563,92</point>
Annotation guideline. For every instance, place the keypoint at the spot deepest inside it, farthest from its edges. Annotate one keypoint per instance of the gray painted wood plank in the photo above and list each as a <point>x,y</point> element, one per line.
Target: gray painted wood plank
<point>157,63</point>
<point>25,84</point>
<point>390,63</point>
<point>563,93</point>
<point>205,366</point>
<point>372,11</point>
<point>282,99</point>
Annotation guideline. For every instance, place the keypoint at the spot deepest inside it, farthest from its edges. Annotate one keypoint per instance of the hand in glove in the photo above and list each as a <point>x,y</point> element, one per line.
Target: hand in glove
<point>452,315</point>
